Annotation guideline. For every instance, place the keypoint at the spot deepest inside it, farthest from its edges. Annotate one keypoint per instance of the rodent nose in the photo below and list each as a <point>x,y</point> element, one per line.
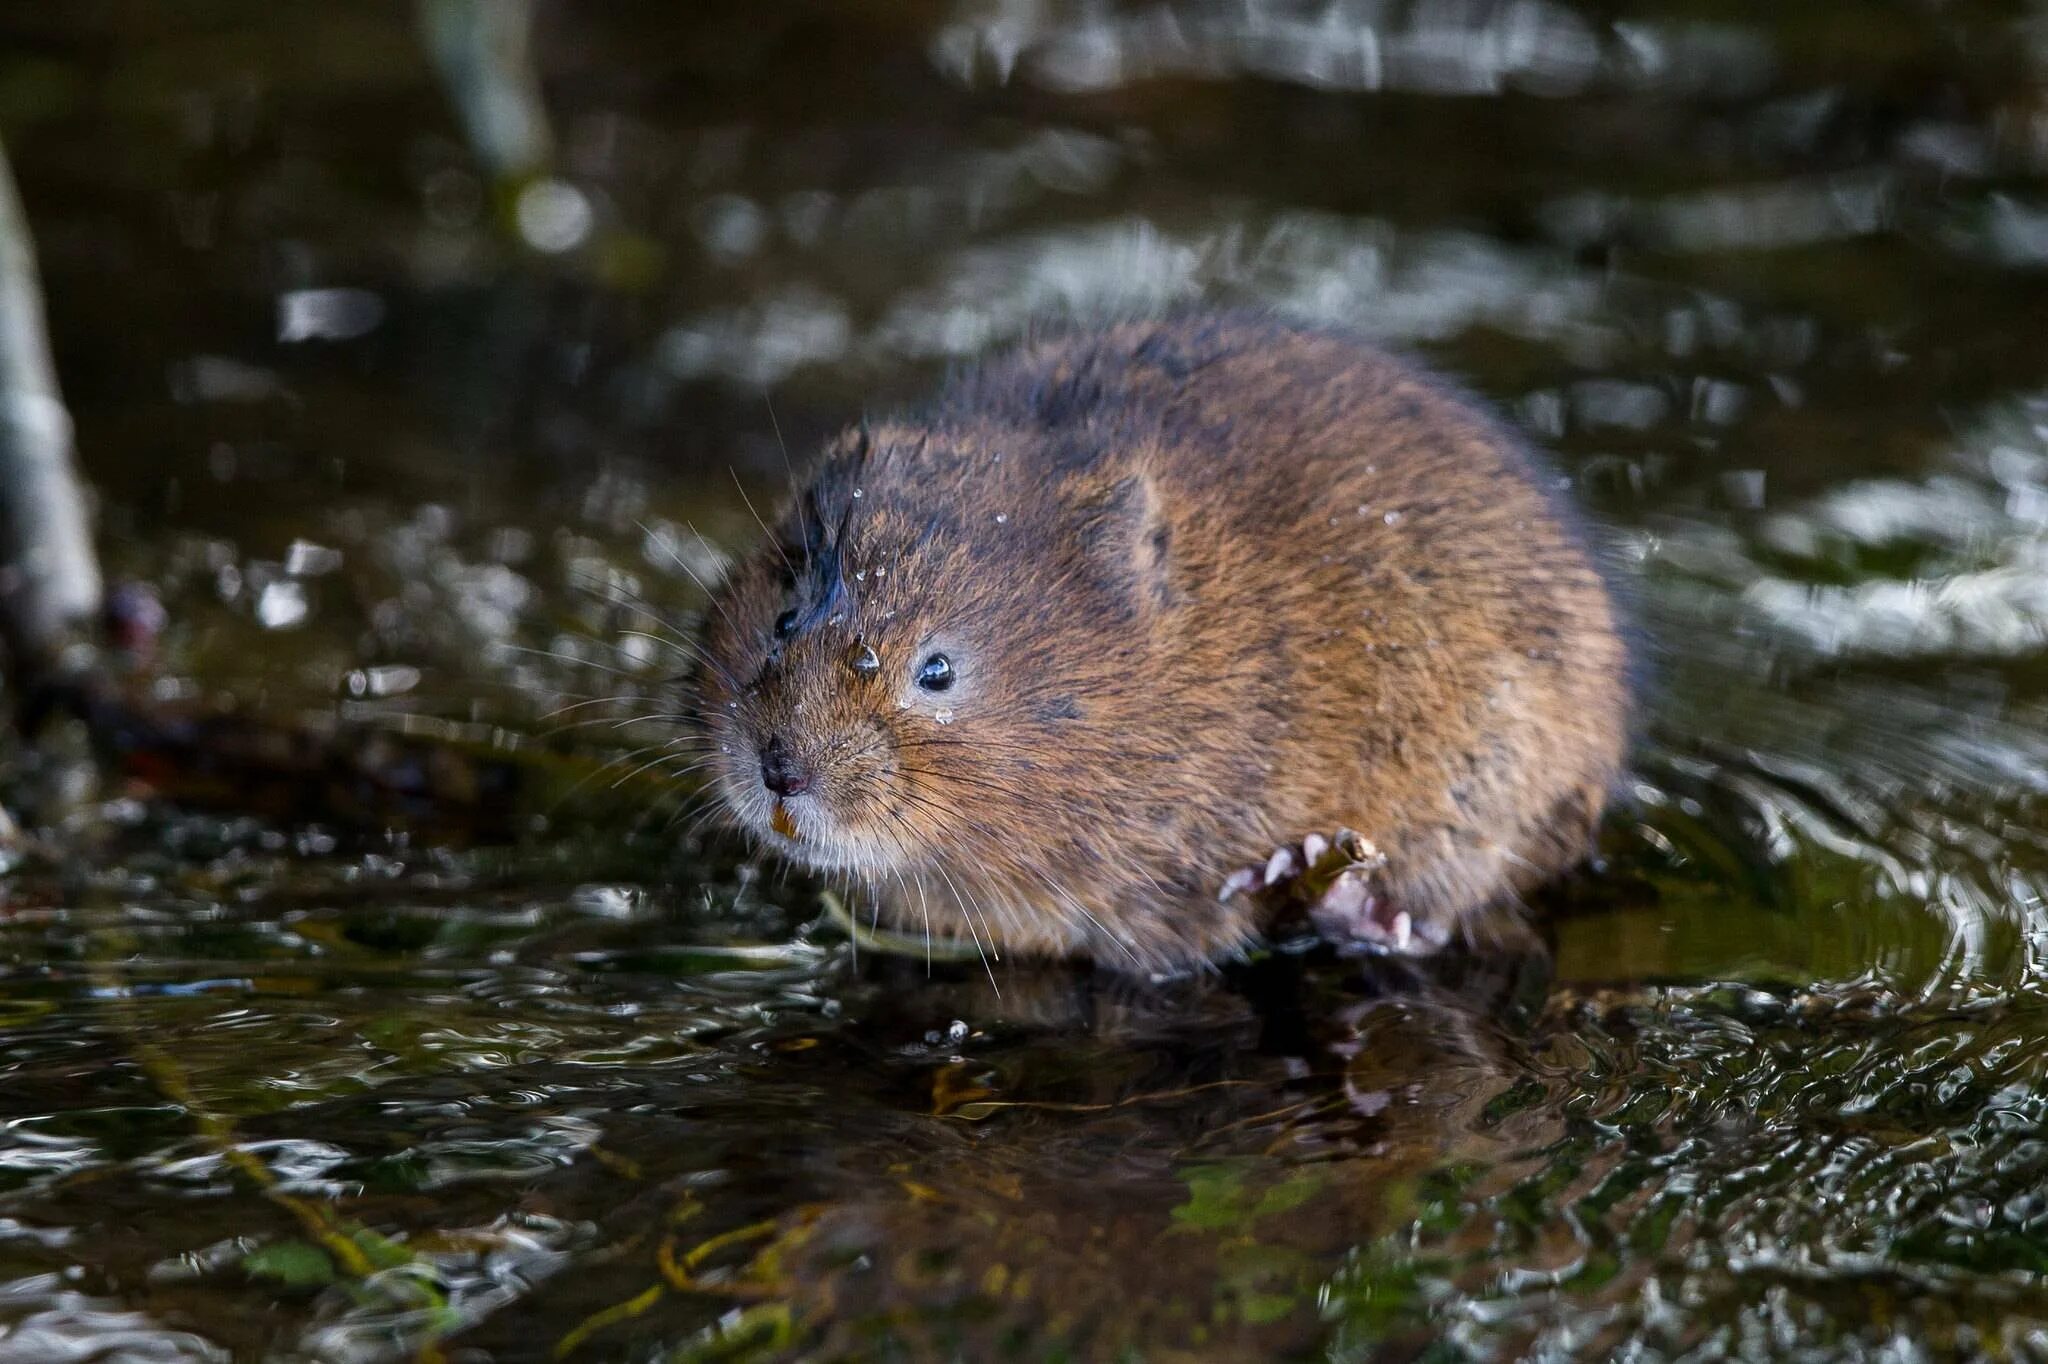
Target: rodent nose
<point>782,774</point>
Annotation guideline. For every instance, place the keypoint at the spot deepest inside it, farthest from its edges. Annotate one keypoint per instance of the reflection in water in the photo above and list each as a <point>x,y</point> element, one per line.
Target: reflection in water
<point>1768,283</point>
<point>1969,548</point>
<point>1445,47</point>
<point>1814,745</point>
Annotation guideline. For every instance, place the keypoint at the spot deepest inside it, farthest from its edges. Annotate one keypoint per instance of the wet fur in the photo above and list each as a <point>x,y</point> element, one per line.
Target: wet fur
<point>1181,645</point>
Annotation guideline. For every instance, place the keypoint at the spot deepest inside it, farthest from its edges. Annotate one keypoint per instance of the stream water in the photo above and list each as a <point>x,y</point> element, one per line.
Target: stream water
<point>403,450</point>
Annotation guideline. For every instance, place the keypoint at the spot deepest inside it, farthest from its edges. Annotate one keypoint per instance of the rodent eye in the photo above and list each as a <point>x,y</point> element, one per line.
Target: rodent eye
<point>936,673</point>
<point>785,624</point>
<point>863,660</point>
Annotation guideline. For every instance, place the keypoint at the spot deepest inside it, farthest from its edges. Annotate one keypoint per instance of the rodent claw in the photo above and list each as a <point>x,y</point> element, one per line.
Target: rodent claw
<point>1240,882</point>
<point>1281,865</point>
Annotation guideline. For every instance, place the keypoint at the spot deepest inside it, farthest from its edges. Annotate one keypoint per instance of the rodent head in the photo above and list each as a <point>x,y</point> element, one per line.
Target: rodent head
<point>924,669</point>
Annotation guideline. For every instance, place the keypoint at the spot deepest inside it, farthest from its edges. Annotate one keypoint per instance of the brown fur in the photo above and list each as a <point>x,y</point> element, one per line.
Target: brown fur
<point>1209,586</point>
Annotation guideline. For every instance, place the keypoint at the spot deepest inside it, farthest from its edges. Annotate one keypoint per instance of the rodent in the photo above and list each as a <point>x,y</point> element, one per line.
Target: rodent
<point>1124,610</point>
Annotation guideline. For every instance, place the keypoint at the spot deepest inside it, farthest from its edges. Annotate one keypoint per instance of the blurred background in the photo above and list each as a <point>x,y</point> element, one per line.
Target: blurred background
<point>421,352</point>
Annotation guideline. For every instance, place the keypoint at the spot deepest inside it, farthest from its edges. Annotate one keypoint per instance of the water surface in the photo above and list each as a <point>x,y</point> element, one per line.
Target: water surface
<point>529,1069</point>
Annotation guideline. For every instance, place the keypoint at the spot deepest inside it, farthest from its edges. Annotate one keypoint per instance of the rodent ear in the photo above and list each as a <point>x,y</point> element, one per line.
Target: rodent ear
<point>1125,534</point>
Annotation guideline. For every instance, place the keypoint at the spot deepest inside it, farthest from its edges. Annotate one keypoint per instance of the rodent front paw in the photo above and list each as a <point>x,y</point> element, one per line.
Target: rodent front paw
<point>1339,884</point>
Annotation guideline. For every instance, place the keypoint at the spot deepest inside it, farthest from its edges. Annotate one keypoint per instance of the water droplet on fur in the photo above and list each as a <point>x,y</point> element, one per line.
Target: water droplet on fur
<point>880,571</point>
<point>856,494</point>
<point>1002,518</point>
<point>944,717</point>
<point>861,576</point>
<point>1392,518</point>
<point>1365,509</point>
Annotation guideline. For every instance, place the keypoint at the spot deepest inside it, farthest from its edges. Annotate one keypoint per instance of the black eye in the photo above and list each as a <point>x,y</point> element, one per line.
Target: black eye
<point>936,674</point>
<point>785,624</point>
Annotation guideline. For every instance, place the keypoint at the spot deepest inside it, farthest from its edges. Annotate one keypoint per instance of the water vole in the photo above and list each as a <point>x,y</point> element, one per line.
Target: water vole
<point>1049,663</point>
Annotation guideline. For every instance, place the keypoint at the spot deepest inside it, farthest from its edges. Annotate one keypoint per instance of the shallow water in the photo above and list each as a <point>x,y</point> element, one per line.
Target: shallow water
<point>535,1073</point>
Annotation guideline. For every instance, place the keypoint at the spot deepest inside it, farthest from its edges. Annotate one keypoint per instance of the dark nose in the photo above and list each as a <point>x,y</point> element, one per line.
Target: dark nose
<point>781,773</point>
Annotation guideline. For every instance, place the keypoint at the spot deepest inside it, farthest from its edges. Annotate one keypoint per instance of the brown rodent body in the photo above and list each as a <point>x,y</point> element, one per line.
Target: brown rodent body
<point>1200,588</point>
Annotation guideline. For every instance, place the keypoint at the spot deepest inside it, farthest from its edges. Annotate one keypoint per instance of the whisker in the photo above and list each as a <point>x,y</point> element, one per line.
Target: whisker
<point>790,468</point>
<point>695,577</point>
<point>773,542</point>
<point>972,930</point>
<point>615,722</point>
<point>683,796</point>
<point>681,646</point>
<point>598,774</point>
<point>1101,927</point>
<point>708,806</point>
<point>1059,893</point>
<point>574,662</point>
<point>617,594</point>
<point>611,700</point>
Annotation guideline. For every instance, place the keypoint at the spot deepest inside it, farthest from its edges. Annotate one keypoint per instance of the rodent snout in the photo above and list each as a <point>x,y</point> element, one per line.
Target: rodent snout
<point>782,773</point>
